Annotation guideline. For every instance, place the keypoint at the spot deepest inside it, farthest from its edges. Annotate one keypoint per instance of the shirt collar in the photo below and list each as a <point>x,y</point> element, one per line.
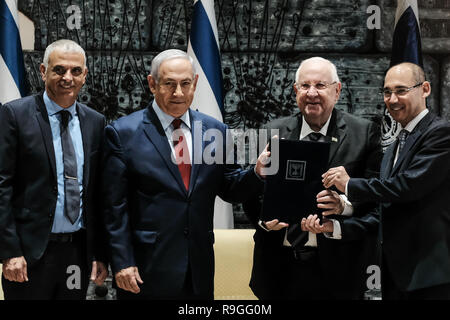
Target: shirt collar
<point>166,119</point>
<point>53,108</point>
<point>306,129</point>
<point>413,123</point>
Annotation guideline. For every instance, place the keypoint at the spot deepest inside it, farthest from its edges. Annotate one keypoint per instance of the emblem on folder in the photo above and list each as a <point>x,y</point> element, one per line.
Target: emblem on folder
<point>295,170</point>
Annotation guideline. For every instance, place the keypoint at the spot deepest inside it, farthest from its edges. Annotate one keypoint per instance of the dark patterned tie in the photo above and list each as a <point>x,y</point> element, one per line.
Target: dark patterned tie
<point>71,186</point>
<point>314,136</point>
<point>180,146</point>
<point>402,136</point>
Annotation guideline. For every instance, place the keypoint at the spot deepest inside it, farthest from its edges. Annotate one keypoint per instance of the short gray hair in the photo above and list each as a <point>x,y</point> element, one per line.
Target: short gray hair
<point>167,55</point>
<point>334,74</point>
<point>64,45</point>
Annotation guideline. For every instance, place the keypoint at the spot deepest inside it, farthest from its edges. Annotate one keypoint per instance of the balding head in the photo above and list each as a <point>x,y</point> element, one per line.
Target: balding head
<point>409,90</point>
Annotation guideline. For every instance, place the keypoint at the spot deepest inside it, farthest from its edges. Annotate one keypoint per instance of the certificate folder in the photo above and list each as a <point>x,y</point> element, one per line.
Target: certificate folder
<point>290,194</point>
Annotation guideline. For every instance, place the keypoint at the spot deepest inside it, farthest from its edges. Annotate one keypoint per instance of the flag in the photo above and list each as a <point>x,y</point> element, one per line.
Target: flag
<point>12,70</point>
<point>203,47</point>
<point>406,41</point>
<point>406,47</point>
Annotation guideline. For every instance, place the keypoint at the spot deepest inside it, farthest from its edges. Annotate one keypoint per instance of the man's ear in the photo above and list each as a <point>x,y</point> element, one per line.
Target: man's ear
<point>195,81</point>
<point>338,90</point>
<point>426,86</point>
<point>151,83</point>
<point>43,70</point>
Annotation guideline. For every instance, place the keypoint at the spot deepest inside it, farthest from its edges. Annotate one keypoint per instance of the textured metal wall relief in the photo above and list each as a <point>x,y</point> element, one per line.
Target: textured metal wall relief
<point>104,24</point>
<point>275,26</point>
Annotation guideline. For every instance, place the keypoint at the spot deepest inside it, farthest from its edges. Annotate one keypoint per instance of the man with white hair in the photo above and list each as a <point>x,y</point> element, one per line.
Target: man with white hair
<point>310,260</point>
<point>159,195</point>
<point>50,149</point>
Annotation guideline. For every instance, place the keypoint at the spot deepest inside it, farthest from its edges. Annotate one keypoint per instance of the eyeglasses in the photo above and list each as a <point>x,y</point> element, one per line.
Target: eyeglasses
<point>173,85</point>
<point>399,92</point>
<point>320,86</point>
<point>60,71</point>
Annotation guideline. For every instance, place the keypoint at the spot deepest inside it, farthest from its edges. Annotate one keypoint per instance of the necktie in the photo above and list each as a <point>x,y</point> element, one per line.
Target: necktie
<point>71,187</point>
<point>402,136</point>
<point>180,145</point>
<point>295,235</point>
<point>314,136</point>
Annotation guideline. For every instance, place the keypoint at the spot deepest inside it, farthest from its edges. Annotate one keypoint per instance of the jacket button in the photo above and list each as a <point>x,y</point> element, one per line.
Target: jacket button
<point>186,231</point>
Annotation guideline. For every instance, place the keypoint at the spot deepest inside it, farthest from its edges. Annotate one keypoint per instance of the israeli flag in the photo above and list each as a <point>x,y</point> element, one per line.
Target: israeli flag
<point>406,41</point>
<point>203,47</point>
<point>12,71</point>
<point>406,47</point>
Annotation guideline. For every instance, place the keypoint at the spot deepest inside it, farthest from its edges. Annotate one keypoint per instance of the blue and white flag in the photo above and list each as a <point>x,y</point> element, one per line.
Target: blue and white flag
<point>406,47</point>
<point>406,41</point>
<point>203,47</point>
<point>12,71</point>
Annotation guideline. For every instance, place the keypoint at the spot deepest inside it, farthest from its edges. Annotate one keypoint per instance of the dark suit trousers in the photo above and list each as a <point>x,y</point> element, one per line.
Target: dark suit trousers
<point>391,292</point>
<point>60,274</point>
<point>298,279</point>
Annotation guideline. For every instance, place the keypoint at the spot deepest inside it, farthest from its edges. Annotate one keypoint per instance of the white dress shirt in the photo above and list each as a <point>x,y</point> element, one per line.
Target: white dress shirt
<point>166,122</point>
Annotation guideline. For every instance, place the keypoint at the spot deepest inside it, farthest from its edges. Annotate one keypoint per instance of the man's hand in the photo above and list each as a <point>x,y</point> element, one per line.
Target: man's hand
<point>275,225</point>
<point>263,160</point>
<point>99,272</point>
<point>15,269</point>
<point>312,224</point>
<point>128,278</point>
<point>330,200</point>
<point>336,176</point>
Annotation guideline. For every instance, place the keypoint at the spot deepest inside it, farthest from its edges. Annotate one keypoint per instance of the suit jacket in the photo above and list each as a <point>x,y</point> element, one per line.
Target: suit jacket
<point>342,263</point>
<point>153,222</point>
<point>415,212</point>
<point>28,183</point>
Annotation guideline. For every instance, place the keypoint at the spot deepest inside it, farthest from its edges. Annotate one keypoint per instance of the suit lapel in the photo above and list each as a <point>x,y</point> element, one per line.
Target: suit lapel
<point>337,132</point>
<point>388,159</point>
<point>46,131</point>
<point>155,133</point>
<point>410,141</point>
<point>197,147</point>
<point>293,128</point>
<point>85,134</point>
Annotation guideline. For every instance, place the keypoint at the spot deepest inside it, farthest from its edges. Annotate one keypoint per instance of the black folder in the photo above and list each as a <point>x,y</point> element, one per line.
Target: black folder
<point>290,194</point>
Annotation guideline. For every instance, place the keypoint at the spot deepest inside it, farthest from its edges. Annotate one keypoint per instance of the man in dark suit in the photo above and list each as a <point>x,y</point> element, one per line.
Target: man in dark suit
<point>159,192</point>
<point>413,189</point>
<point>332,261</point>
<point>49,156</point>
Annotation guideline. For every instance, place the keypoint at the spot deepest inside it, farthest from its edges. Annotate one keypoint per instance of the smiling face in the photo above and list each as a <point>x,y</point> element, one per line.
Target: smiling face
<point>64,77</point>
<point>174,90</point>
<point>316,105</point>
<point>404,108</point>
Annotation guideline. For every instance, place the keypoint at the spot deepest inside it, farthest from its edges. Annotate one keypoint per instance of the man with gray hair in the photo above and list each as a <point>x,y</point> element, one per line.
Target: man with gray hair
<point>159,196</point>
<point>50,148</point>
<point>310,260</point>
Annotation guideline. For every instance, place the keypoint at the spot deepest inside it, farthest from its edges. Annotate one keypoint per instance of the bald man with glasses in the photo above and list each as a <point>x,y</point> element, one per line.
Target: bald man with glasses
<point>413,189</point>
